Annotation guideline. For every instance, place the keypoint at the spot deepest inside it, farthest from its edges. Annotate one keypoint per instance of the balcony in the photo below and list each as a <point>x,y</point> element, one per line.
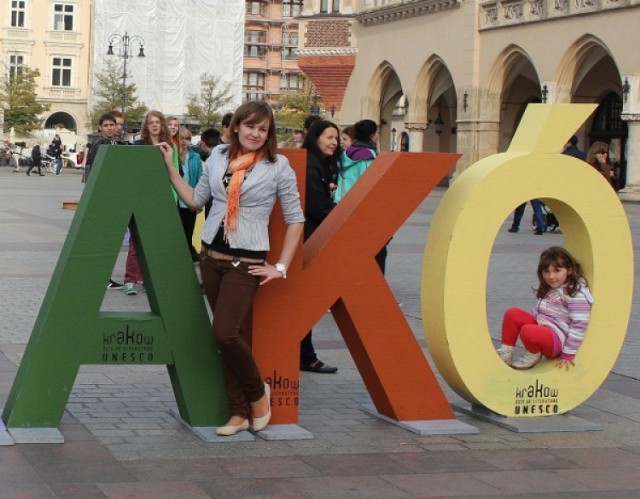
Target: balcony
<point>63,36</point>
<point>61,93</point>
<point>16,33</point>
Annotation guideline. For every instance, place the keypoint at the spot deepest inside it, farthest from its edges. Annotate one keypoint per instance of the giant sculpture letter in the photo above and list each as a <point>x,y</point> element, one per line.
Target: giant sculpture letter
<point>457,254</point>
<point>71,330</point>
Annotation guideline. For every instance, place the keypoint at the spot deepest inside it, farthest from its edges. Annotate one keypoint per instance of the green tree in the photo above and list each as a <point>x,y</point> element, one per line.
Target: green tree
<point>18,96</point>
<point>110,95</point>
<point>212,102</point>
<point>293,108</point>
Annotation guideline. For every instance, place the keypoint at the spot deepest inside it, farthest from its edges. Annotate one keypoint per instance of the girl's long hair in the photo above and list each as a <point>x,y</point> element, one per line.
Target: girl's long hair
<point>596,148</point>
<point>183,152</point>
<point>311,145</point>
<point>165,136</point>
<point>251,113</point>
<point>175,138</point>
<point>560,258</point>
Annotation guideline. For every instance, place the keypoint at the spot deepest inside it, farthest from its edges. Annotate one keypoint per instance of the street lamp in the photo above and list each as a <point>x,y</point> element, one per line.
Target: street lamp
<point>315,109</point>
<point>124,43</point>
<point>439,124</point>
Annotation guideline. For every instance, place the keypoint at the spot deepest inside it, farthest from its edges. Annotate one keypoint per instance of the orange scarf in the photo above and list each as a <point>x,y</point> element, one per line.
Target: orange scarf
<point>237,167</point>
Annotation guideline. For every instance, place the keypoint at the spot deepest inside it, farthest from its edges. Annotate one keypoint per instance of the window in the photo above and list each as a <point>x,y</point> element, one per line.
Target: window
<point>253,96</point>
<point>290,39</point>
<point>329,6</point>
<point>255,51</point>
<point>289,54</point>
<point>253,81</point>
<point>17,13</point>
<point>61,72</point>
<point>256,8</point>
<point>291,8</point>
<point>16,64</point>
<point>254,36</point>
<point>291,82</point>
<point>62,17</point>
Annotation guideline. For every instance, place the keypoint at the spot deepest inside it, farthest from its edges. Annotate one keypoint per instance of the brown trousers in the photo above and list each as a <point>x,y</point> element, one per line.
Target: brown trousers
<point>230,291</point>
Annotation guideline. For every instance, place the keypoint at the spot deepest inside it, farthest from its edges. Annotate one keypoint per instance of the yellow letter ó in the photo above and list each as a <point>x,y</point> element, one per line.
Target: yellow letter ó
<point>458,250</point>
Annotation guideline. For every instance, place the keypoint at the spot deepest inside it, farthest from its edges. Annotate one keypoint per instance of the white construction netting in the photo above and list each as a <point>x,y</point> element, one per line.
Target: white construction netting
<point>182,40</point>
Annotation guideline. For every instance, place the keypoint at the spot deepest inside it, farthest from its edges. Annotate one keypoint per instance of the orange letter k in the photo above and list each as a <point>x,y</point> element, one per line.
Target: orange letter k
<point>339,271</point>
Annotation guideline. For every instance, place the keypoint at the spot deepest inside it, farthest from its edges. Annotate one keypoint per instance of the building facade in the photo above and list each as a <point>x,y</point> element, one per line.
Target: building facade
<point>271,39</point>
<point>456,76</point>
<point>54,37</point>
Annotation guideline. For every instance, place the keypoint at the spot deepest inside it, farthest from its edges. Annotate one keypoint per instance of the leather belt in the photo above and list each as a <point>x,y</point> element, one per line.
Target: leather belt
<point>216,255</point>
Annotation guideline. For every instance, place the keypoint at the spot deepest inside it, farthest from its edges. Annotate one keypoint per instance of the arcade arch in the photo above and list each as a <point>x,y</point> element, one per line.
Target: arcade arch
<point>591,74</point>
<point>380,100</point>
<point>61,119</point>
<point>434,112</point>
<point>512,84</point>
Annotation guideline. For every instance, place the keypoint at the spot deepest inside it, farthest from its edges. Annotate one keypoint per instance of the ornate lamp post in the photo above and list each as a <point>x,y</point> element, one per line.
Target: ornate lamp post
<point>315,109</point>
<point>124,46</point>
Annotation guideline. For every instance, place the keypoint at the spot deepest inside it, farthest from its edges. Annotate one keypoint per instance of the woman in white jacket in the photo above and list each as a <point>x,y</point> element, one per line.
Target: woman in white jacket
<point>243,179</point>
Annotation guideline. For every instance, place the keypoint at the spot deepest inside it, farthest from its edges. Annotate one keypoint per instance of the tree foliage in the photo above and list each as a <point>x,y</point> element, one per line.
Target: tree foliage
<point>110,95</point>
<point>18,96</point>
<point>212,102</point>
<point>293,108</point>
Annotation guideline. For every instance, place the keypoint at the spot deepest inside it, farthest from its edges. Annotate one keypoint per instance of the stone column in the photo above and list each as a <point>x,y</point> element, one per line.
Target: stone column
<point>631,190</point>
<point>416,135</point>
<point>475,140</point>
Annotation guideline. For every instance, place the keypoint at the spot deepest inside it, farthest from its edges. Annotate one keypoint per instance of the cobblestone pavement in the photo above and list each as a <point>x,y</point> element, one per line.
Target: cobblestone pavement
<point>122,440</point>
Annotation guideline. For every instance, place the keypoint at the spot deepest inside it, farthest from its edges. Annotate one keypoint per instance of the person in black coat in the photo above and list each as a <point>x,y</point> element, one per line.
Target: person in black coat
<point>323,154</point>
<point>36,160</point>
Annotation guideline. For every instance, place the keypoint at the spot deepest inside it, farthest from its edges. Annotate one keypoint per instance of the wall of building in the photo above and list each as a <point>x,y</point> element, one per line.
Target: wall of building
<point>271,39</point>
<point>54,37</point>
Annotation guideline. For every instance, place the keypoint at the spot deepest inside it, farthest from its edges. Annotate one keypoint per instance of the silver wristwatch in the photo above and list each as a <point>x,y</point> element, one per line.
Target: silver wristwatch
<point>280,267</point>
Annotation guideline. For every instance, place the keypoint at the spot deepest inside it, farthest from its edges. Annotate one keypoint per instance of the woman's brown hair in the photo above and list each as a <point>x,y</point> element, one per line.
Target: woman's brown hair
<point>560,258</point>
<point>183,152</point>
<point>165,136</point>
<point>250,113</point>
<point>596,148</point>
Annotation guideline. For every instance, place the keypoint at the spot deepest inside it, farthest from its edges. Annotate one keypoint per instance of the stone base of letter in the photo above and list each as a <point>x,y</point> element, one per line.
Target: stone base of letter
<point>427,427</point>
<point>540,424</point>
<point>5,438</point>
<point>36,435</point>
<point>208,433</point>
<point>285,432</point>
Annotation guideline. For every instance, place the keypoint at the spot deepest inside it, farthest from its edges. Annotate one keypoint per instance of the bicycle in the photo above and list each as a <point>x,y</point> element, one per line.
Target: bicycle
<point>48,163</point>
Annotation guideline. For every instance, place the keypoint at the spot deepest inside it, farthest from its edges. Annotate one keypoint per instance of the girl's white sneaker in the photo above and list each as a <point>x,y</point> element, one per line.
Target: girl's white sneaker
<point>527,361</point>
<point>506,354</point>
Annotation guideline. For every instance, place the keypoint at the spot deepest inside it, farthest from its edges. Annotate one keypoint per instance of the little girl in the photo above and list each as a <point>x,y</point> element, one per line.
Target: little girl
<point>557,326</point>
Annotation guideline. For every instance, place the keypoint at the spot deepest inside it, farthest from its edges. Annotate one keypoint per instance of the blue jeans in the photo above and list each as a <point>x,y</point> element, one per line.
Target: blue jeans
<point>58,165</point>
<point>537,213</point>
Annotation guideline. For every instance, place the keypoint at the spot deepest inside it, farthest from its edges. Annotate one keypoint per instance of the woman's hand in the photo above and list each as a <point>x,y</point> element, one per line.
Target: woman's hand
<point>564,363</point>
<point>601,157</point>
<point>267,271</point>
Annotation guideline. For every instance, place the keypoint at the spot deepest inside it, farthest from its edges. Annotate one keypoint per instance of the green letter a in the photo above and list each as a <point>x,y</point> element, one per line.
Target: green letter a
<point>127,186</point>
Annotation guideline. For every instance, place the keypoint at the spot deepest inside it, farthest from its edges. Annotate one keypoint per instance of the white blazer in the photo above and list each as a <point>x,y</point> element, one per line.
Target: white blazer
<point>265,183</point>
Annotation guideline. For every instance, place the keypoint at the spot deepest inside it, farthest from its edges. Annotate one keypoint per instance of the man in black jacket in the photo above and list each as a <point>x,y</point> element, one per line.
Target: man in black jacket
<point>36,160</point>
